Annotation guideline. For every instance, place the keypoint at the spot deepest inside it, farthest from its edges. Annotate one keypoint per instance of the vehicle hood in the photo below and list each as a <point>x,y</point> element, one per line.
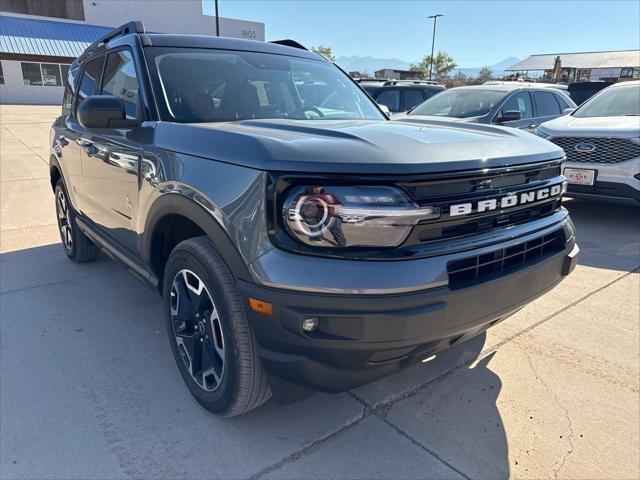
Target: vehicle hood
<point>434,118</point>
<point>376,147</point>
<point>570,126</point>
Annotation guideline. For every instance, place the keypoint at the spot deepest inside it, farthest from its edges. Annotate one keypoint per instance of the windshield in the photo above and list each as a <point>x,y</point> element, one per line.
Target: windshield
<point>462,103</point>
<point>612,102</point>
<point>200,85</point>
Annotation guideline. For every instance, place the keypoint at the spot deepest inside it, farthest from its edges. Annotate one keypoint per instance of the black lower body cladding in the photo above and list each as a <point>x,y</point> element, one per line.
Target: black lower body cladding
<point>361,338</point>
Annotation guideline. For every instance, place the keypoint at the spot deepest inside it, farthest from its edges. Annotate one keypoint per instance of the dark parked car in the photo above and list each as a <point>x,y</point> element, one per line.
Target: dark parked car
<point>299,242</point>
<point>580,92</point>
<point>400,95</point>
<point>514,104</point>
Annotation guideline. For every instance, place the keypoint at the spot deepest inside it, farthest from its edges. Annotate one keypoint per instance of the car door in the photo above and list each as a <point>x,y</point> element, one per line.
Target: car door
<point>547,106</point>
<point>111,157</point>
<point>520,101</point>
<point>70,138</point>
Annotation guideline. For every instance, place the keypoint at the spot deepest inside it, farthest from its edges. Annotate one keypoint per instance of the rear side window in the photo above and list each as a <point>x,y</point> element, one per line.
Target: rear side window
<point>89,79</point>
<point>390,98</point>
<point>412,98</point>
<point>546,104</point>
<point>563,103</point>
<point>120,80</point>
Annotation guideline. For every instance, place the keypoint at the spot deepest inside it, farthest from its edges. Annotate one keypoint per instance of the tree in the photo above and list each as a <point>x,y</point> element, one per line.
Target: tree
<point>443,64</point>
<point>326,52</point>
<point>460,76</point>
<point>485,74</point>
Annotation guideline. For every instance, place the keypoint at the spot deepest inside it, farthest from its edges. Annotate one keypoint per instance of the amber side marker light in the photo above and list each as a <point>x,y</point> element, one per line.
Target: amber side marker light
<point>259,306</point>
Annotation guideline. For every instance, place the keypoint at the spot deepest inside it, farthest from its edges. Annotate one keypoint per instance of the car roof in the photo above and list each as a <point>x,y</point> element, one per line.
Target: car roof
<point>226,43</point>
<point>501,87</point>
<point>557,86</point>
<point>630,83</point>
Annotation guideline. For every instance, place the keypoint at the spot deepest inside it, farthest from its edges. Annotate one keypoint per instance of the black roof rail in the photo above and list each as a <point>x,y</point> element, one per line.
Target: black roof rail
<point>411,82</point>
<point>135,26</point>
<point>287,42</point>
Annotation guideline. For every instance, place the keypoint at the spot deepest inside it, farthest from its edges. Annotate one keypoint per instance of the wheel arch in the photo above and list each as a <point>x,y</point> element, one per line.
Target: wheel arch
<point>174,218</point>
<point>55,172</point>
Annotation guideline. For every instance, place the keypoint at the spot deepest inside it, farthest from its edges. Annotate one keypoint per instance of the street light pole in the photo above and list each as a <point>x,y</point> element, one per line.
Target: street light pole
<point>433,39</point>
<point>217,20</point>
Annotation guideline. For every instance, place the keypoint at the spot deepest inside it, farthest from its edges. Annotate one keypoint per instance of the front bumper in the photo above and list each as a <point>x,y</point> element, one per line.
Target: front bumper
<point>615,180</point>
<point>361,338</point>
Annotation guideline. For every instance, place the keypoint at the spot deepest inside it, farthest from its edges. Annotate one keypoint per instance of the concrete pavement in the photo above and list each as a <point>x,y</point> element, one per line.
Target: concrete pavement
<point>89,389</point>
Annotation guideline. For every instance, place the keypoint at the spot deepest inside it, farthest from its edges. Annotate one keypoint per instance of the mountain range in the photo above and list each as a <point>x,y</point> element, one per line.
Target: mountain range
<point>371,64</point>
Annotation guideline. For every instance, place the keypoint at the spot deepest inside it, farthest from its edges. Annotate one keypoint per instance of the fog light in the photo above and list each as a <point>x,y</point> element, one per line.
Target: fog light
<point>310,324</point>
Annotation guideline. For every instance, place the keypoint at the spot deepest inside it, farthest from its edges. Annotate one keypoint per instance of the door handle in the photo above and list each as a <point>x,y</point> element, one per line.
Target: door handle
<point>87,146</point>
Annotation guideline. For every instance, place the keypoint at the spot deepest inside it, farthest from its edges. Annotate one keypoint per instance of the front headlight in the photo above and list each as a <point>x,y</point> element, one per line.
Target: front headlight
<point>342,216</point>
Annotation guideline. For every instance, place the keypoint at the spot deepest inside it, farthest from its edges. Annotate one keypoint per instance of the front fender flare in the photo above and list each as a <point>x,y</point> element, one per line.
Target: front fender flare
<point>177,204</point>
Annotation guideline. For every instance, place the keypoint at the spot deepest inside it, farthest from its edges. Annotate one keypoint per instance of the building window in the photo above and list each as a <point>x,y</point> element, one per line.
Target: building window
<point>44,74</point>
<point>31,73</point>
<point>71,9</point>
<point>1,75</point>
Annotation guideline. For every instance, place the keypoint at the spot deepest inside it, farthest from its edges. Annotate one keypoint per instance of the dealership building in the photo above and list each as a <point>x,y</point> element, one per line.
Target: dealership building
<point>582,66</point>
<point>39,39</point>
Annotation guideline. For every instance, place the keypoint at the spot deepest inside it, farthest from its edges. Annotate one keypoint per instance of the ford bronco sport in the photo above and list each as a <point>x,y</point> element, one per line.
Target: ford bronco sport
<point>300,240</point>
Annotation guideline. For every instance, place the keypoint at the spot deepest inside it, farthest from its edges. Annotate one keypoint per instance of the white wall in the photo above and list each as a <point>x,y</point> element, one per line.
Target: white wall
<point>168,16</point>
<point>15,91</point>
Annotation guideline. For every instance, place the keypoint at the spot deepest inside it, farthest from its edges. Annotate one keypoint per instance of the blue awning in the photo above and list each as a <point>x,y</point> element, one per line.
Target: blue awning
<point>29,36</point>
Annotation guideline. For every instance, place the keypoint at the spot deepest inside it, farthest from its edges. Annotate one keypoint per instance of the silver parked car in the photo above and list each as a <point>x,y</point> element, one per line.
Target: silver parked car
<point>515,104</point>
<point>602,142</point>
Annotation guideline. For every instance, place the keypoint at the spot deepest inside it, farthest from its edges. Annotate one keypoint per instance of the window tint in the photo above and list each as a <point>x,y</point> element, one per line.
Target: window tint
<point>521,102</point>
<point>563,103</point>
<point>390,98</point>
<point>89,79</point>
<point>612,102</point>
<point>460,103</point>
<point>64,72</point>
<point>31,74</point>
<point>412,98</point>
<point>206,85</point>
<point>120,81</point>
<point>546,104</point>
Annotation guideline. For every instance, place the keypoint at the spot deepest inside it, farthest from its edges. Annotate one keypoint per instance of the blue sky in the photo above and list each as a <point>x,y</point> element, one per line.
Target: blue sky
<point>474,32</point>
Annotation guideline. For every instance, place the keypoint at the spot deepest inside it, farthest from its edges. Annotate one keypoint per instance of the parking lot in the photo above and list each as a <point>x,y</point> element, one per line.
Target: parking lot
<point>89,388</point>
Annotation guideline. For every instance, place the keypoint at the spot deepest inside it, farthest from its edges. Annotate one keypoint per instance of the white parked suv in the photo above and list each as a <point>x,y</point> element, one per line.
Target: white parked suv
<point>602,142</point>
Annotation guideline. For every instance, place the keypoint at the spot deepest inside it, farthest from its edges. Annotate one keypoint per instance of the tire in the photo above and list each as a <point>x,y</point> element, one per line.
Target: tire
<point>207,322</point>
<point>76,244</point>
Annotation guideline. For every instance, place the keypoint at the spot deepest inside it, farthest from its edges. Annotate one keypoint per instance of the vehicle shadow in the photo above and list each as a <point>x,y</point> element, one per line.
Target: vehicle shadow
<point>100,356</point>
<point>607,231</point>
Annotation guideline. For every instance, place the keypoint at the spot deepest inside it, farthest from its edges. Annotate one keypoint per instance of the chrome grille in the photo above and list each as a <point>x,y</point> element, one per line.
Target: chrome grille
<point>605,150</point>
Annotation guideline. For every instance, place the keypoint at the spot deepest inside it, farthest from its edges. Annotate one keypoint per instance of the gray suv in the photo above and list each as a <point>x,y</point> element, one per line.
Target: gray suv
<point>515,104</point>
<point>299,239</point>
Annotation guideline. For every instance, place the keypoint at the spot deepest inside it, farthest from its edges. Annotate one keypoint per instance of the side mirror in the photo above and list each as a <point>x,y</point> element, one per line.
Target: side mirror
<point>567,111</point>
<point>385,109</point>
<point>510,116</point>
<point>103,111</point>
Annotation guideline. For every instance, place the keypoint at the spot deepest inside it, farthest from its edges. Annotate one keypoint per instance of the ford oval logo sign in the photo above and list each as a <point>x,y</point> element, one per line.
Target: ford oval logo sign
<point>585,147</point>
